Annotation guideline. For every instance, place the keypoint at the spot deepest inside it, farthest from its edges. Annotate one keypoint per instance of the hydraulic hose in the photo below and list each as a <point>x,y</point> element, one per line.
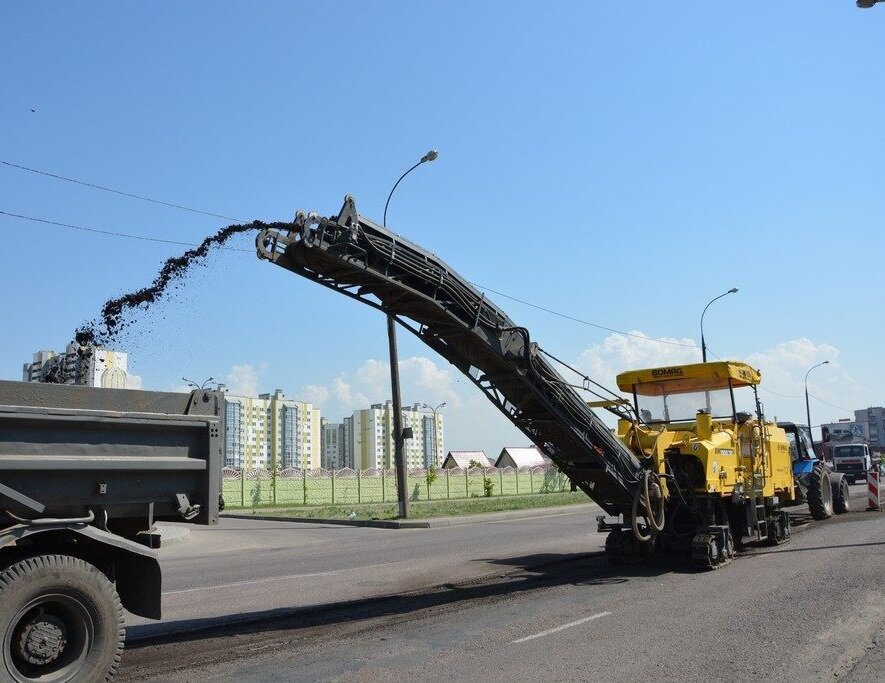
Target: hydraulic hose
<point>655,521</point>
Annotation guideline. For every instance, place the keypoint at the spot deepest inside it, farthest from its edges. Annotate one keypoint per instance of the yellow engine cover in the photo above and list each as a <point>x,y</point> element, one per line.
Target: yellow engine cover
<point>719,457</point>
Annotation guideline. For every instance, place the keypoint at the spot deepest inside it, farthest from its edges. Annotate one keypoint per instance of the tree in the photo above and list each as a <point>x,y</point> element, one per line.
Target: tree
<point>430,476</point>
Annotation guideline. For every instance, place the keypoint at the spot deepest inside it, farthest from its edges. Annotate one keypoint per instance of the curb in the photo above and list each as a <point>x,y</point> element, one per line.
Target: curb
<point>432,523</point>
<point>377,523</point>
<point>170,534</point>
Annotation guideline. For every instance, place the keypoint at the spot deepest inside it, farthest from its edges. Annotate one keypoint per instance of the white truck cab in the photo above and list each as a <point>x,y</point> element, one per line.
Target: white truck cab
<point>853,459</point>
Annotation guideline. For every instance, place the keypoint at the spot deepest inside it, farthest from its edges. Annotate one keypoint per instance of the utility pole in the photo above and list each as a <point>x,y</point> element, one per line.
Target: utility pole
<point>402,481</point>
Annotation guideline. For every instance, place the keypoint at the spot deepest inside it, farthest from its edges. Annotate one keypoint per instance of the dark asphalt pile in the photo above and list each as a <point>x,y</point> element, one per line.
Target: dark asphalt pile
<point>117,314</point>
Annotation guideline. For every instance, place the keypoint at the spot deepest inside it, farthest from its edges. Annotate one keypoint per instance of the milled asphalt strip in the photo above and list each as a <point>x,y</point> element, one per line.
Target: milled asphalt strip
<point>269,579</point>
<point>571,624</point>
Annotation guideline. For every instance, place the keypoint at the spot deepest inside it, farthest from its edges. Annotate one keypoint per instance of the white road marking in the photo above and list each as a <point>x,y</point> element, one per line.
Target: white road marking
<point>279,578</point>
<point>561,628</point>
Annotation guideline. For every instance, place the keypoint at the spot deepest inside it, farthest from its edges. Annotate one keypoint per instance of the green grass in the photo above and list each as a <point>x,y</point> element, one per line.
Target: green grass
<point>423,509</point>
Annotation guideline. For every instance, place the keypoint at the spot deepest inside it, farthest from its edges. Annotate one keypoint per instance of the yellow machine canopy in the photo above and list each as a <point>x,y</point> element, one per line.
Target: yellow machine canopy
<point>678,379</point>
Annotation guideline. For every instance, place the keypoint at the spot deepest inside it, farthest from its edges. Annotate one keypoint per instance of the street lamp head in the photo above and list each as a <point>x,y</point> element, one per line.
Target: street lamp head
<point>703,313</point>
<point>192,383</point>
<point>825,362</point>
<point>430,156</point>
<point>866,4</point>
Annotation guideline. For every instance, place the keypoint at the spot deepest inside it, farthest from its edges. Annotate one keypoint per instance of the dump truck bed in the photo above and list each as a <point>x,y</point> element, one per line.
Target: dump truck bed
<point>128,457</point>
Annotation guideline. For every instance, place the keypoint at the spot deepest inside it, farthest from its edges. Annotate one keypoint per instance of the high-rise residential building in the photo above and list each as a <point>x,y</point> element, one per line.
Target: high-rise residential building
<point>271,431</point>
<point>334,446</point>
<point>371,434</point>
<point>92,366</point>
<point>874,421</point>
<point>347,444</point>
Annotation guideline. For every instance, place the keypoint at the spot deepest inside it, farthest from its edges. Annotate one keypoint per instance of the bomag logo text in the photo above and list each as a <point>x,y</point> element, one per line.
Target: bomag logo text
<point>667,372</point>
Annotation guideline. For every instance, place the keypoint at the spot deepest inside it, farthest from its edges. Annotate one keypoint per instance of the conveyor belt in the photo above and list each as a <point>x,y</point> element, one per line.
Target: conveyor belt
<point>354,256</point>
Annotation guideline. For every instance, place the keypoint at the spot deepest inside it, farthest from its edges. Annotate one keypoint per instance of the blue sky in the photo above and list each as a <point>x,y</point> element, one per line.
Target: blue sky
<point>622,163</point>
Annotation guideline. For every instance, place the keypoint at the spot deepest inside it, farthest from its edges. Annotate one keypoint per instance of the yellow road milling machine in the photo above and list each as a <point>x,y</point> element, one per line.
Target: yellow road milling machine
<point>715,471</point>
<point>686,470</point>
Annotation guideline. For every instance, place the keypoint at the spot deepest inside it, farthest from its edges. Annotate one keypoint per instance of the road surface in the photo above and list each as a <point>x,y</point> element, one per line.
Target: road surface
<point>549,607</point>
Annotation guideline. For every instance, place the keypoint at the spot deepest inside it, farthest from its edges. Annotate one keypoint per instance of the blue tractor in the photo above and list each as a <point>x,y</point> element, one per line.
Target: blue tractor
<point>825,491</point>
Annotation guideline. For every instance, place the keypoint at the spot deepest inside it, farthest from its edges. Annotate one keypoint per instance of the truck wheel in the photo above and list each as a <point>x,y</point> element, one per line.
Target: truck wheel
<point>820,493</point>
<point>60,619</point>
<point>841,496</point>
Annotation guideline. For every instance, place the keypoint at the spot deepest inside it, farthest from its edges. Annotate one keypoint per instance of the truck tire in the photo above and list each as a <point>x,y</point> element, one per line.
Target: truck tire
<point>60,619</point>
<point>841,495</point>
<point>820,493</point>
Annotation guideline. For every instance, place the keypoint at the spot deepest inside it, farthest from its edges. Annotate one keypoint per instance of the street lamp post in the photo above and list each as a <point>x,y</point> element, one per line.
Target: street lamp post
<point>807,405</point>
<point>398,437</point>
<point>703,341</point>
<point>435,428</point>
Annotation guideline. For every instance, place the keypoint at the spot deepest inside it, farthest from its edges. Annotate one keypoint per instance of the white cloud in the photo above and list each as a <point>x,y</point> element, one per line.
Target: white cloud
<point>422,381</point>
<point>242,380</point>
<point>373,377</point>
<point>345,393</point>
<point>434,381</point>
<point>472,422</point>
<point>620,352</point>
<point>315,394</point>
<point>133,381</point>
<point>834,392</point>
<point>783,368</point>
<point>796,355</point>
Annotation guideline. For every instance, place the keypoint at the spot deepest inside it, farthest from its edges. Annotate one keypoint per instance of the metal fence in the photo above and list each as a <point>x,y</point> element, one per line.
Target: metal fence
<point>258,487</point>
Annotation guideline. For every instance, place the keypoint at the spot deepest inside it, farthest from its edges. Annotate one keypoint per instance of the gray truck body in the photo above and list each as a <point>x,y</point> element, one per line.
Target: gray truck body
<point>125,455</point>
<point>87,472</point>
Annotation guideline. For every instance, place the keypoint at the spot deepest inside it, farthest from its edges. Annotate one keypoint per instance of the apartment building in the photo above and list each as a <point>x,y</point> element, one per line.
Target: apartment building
<point>370,433</point>
<point>336,447</point>
<point>271,431</point>
<point>92,366</point>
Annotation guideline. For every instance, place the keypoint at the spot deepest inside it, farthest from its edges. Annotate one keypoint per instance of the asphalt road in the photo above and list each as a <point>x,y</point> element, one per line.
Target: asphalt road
<point>534,600</point>
<point>252,569</point>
